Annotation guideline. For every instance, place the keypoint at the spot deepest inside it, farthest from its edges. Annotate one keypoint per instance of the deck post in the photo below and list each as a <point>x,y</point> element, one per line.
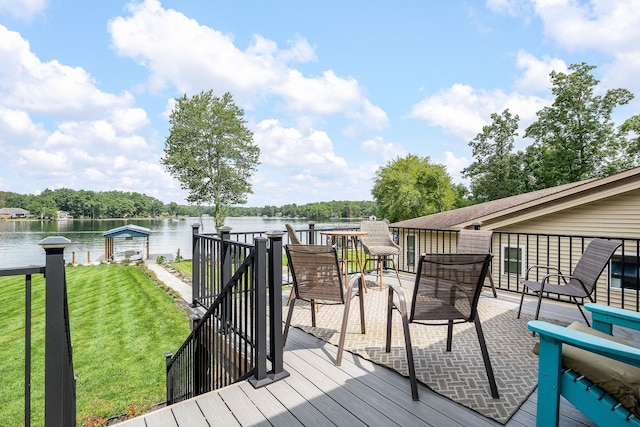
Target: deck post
<point>260,378</point>
<point>312,233</point>
<point>276,347</point>
<point>169,382</point>
<point>59,381</point>
<point>195,264</point>
<point>225,271</point>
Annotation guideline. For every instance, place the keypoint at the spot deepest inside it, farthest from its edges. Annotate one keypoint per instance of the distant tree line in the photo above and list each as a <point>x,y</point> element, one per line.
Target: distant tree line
<point>120,204</point>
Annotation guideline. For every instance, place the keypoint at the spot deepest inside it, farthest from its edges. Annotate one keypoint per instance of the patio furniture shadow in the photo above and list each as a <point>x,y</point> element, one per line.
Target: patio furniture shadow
<point>460,374</point>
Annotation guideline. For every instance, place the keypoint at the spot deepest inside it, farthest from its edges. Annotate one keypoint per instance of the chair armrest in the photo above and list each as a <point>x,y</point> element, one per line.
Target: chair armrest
<point>604,347</point>
<point>398,290</point>
<point>545,267</point>
<point>604,317</point>
<point>565,277</point>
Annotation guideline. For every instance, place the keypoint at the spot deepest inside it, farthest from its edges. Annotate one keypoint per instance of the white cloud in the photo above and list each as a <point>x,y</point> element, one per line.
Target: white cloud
<point>49,87</point>
<point>462,111</point>
<point>382,151</point>
<point>608,26</point>
<point>304,163</point>
<point>23,9</point>
<point>536,72</point>
<point>130,120</point>
<point>297,151</point>
<point>180,52</point>
<point>454,165</point>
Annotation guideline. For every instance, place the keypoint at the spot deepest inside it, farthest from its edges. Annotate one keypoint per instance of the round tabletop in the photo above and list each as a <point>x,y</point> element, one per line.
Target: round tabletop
<point>344,233</point>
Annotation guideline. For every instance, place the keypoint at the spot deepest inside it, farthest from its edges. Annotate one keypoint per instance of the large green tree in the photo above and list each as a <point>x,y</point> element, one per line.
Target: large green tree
<point>496,171</point>
<point>410,187</point>
<point>211,151</point>
<point>575,137</point>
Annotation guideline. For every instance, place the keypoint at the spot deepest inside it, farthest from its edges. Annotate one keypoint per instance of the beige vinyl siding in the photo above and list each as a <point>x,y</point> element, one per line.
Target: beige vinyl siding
<point>612,217</point>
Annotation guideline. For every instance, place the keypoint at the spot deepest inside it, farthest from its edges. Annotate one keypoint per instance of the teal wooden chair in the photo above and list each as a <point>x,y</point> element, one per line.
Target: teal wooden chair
<point>598,373</point>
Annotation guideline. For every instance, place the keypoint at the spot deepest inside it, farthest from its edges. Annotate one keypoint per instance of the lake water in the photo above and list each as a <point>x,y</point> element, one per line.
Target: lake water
<point>19,239</point>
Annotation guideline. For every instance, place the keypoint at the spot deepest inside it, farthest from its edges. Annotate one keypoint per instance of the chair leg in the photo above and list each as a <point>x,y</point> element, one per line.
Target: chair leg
<point>343,328</point>
<point>361,297</point>
<point>402,308</point>
<point>390,307</point>
<point>575,300</point>
<point>493,288</point>
<point>396,269</point>
<point>412,369</point>
<point>380,264</point>
<point>485,357</point>
<point>288,322</point>
<point>449,334</point>
<point>524,288</point>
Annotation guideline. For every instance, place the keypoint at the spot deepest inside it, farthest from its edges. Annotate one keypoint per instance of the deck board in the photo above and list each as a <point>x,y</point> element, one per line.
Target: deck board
<point>214,408</point>
<point>357,393</point>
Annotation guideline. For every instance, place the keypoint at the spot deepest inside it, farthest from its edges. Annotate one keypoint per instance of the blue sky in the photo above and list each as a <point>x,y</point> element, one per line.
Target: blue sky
<point>332,90</point>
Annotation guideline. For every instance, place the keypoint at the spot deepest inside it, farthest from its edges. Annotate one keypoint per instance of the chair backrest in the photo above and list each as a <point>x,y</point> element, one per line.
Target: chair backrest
<point>293,236</point>
<point>316,273</point>
<point>593,261</point>
<point>448,286</point>
<point>377,234</point>
<point>474,241</point>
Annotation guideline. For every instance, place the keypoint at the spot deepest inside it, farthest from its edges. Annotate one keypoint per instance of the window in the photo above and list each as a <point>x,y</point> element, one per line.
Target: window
<point>513,259</point>
<point>624,272</point>
<point>411,251</point>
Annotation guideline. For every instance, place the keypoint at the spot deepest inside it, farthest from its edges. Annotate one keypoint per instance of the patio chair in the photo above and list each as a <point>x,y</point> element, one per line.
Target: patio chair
<point>476,242</point>
<point>446,292</point>
<point>379,246</point>
<point>598,373</point>
<point>293,235</point>
<point>579,284</point>
<point>317,279</point>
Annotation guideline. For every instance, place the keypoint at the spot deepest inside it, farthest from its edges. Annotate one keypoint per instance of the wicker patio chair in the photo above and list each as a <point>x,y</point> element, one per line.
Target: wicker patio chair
<point>476,242</point>
<point>293,235</point>
<point>579,284</point>
<point>598,373</point>
<point>317,279</point>
<point>379,246</point>
<point>446,292</point>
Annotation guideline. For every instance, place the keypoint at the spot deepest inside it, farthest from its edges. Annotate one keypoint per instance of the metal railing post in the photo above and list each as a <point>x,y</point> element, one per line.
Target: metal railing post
<point>276,349</point>
<point>225,255</point>
<point>225,270</point>
<point>260,279</point>
<point>59,399</point>
<point>169,382</point>
<point>195,264</point>
<point>312,233</point>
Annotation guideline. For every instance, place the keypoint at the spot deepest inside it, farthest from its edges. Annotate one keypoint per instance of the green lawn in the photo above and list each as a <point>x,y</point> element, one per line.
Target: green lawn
<point>183,267</point>
<point>121,324</point>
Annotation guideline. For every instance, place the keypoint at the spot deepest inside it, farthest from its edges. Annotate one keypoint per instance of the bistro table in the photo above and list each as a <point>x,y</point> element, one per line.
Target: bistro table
<point>345,236</point>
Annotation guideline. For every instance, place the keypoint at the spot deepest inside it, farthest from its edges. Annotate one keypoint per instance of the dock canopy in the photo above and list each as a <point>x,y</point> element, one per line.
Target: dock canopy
<point>127,231</point>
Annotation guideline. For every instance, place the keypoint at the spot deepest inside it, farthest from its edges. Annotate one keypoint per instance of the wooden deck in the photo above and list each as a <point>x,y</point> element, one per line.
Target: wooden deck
<point>357,393</point>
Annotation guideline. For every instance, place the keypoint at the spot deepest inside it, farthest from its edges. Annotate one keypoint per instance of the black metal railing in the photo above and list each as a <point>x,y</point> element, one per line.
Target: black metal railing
<point>60,387</point>
<point>234,282</point>
<point>515,251</point>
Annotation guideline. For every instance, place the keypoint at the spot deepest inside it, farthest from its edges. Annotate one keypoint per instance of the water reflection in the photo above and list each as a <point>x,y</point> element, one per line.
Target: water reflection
<point>19,239</point>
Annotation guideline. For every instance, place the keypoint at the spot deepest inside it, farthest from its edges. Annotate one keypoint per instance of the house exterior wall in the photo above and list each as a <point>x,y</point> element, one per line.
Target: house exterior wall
<point>614,217</point>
